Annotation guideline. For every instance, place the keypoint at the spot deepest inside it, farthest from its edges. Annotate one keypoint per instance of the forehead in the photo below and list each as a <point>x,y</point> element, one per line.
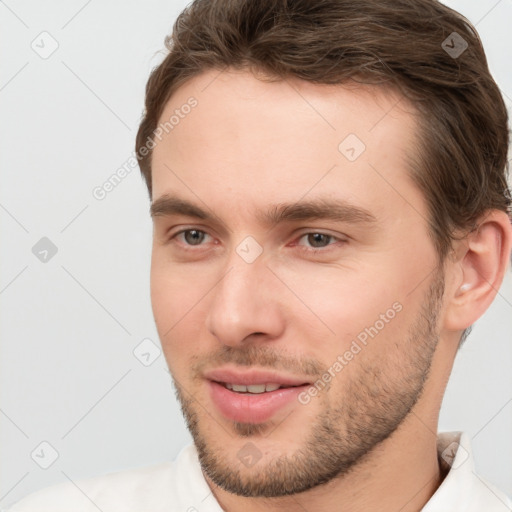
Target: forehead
<point>281,140</point>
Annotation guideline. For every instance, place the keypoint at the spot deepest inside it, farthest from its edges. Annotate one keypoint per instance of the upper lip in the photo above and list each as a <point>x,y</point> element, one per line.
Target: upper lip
<point>250,377</point>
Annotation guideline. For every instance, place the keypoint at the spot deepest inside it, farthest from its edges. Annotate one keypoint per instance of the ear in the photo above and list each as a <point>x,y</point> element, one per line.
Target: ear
<point>478,269</point>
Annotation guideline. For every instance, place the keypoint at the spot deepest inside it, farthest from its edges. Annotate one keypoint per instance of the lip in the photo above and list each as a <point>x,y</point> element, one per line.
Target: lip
<point>252,407</point>
<point>253,376</point>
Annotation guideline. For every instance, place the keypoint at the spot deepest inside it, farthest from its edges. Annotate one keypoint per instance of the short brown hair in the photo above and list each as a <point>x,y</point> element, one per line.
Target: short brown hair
<point>417,47</point>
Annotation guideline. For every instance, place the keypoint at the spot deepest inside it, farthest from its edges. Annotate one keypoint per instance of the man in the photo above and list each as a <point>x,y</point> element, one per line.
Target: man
<point>331,215</point>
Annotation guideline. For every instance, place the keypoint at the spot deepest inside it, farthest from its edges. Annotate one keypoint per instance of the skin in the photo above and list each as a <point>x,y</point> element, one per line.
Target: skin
<point>368,440</point>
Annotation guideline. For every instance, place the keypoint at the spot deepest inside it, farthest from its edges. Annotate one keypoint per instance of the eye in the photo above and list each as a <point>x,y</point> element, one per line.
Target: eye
<point>313,242</point>
<point>191,237</point>
<point>317,241</point>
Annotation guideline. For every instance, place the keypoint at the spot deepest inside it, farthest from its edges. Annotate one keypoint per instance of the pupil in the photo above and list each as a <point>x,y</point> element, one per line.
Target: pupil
<point>317,238</point>
<point>193,236</point>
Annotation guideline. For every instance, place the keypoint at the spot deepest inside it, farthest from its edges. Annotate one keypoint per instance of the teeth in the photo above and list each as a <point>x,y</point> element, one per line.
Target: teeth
<point>254,388</point>
<point>240,388</point>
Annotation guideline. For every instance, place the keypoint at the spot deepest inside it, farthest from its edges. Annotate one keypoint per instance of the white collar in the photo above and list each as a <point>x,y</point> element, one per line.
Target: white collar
<point>462,490</point>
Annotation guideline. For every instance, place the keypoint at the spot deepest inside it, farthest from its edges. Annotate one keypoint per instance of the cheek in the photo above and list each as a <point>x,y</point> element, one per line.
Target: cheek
<point>179,301</point>
<point>174,290</point>
<point>345,299</point>
<point>361,311</point>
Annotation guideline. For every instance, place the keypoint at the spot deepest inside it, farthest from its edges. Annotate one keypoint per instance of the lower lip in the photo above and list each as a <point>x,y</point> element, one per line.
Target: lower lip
<point>252,407</point>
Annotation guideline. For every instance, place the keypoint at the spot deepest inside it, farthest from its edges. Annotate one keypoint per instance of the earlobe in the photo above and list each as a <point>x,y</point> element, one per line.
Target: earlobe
<point>480,270</point>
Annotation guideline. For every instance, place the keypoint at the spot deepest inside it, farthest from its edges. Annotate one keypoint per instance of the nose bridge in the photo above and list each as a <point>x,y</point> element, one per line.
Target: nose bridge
<point>244,300</point>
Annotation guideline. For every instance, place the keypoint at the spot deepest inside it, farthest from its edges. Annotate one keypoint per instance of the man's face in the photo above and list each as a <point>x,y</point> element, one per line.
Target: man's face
<point>297,340</point>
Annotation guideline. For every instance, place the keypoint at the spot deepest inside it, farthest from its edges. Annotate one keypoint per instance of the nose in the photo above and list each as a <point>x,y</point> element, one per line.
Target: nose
<point>245,305</point>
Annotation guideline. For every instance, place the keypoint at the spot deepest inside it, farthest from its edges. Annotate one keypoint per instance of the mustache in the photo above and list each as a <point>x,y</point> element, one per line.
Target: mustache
<point>251,355</point>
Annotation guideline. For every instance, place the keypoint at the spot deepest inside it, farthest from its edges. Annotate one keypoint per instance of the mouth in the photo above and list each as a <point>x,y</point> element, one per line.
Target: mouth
<point>253,396</point>
<point>255,389</point>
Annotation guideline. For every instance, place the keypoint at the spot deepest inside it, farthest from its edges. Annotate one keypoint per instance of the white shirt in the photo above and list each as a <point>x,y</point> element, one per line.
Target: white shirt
<point>181,487</point>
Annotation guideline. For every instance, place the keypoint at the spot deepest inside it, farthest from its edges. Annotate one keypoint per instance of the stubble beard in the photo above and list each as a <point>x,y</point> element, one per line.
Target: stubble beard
<point>375,403</point>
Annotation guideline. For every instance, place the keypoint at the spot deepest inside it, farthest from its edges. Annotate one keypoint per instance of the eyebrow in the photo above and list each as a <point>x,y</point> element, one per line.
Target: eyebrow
<point>317,209</point>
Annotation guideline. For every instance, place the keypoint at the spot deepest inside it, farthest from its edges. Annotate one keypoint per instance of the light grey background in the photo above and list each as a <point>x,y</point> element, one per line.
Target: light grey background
<point>69,326</point>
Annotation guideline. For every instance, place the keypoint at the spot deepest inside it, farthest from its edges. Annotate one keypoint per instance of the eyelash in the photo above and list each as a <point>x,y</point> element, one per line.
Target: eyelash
<point>311,250</point>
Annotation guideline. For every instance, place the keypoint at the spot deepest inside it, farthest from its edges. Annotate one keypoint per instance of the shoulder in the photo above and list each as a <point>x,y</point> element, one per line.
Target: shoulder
<point>124,488</point>
<point>155,488</point>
